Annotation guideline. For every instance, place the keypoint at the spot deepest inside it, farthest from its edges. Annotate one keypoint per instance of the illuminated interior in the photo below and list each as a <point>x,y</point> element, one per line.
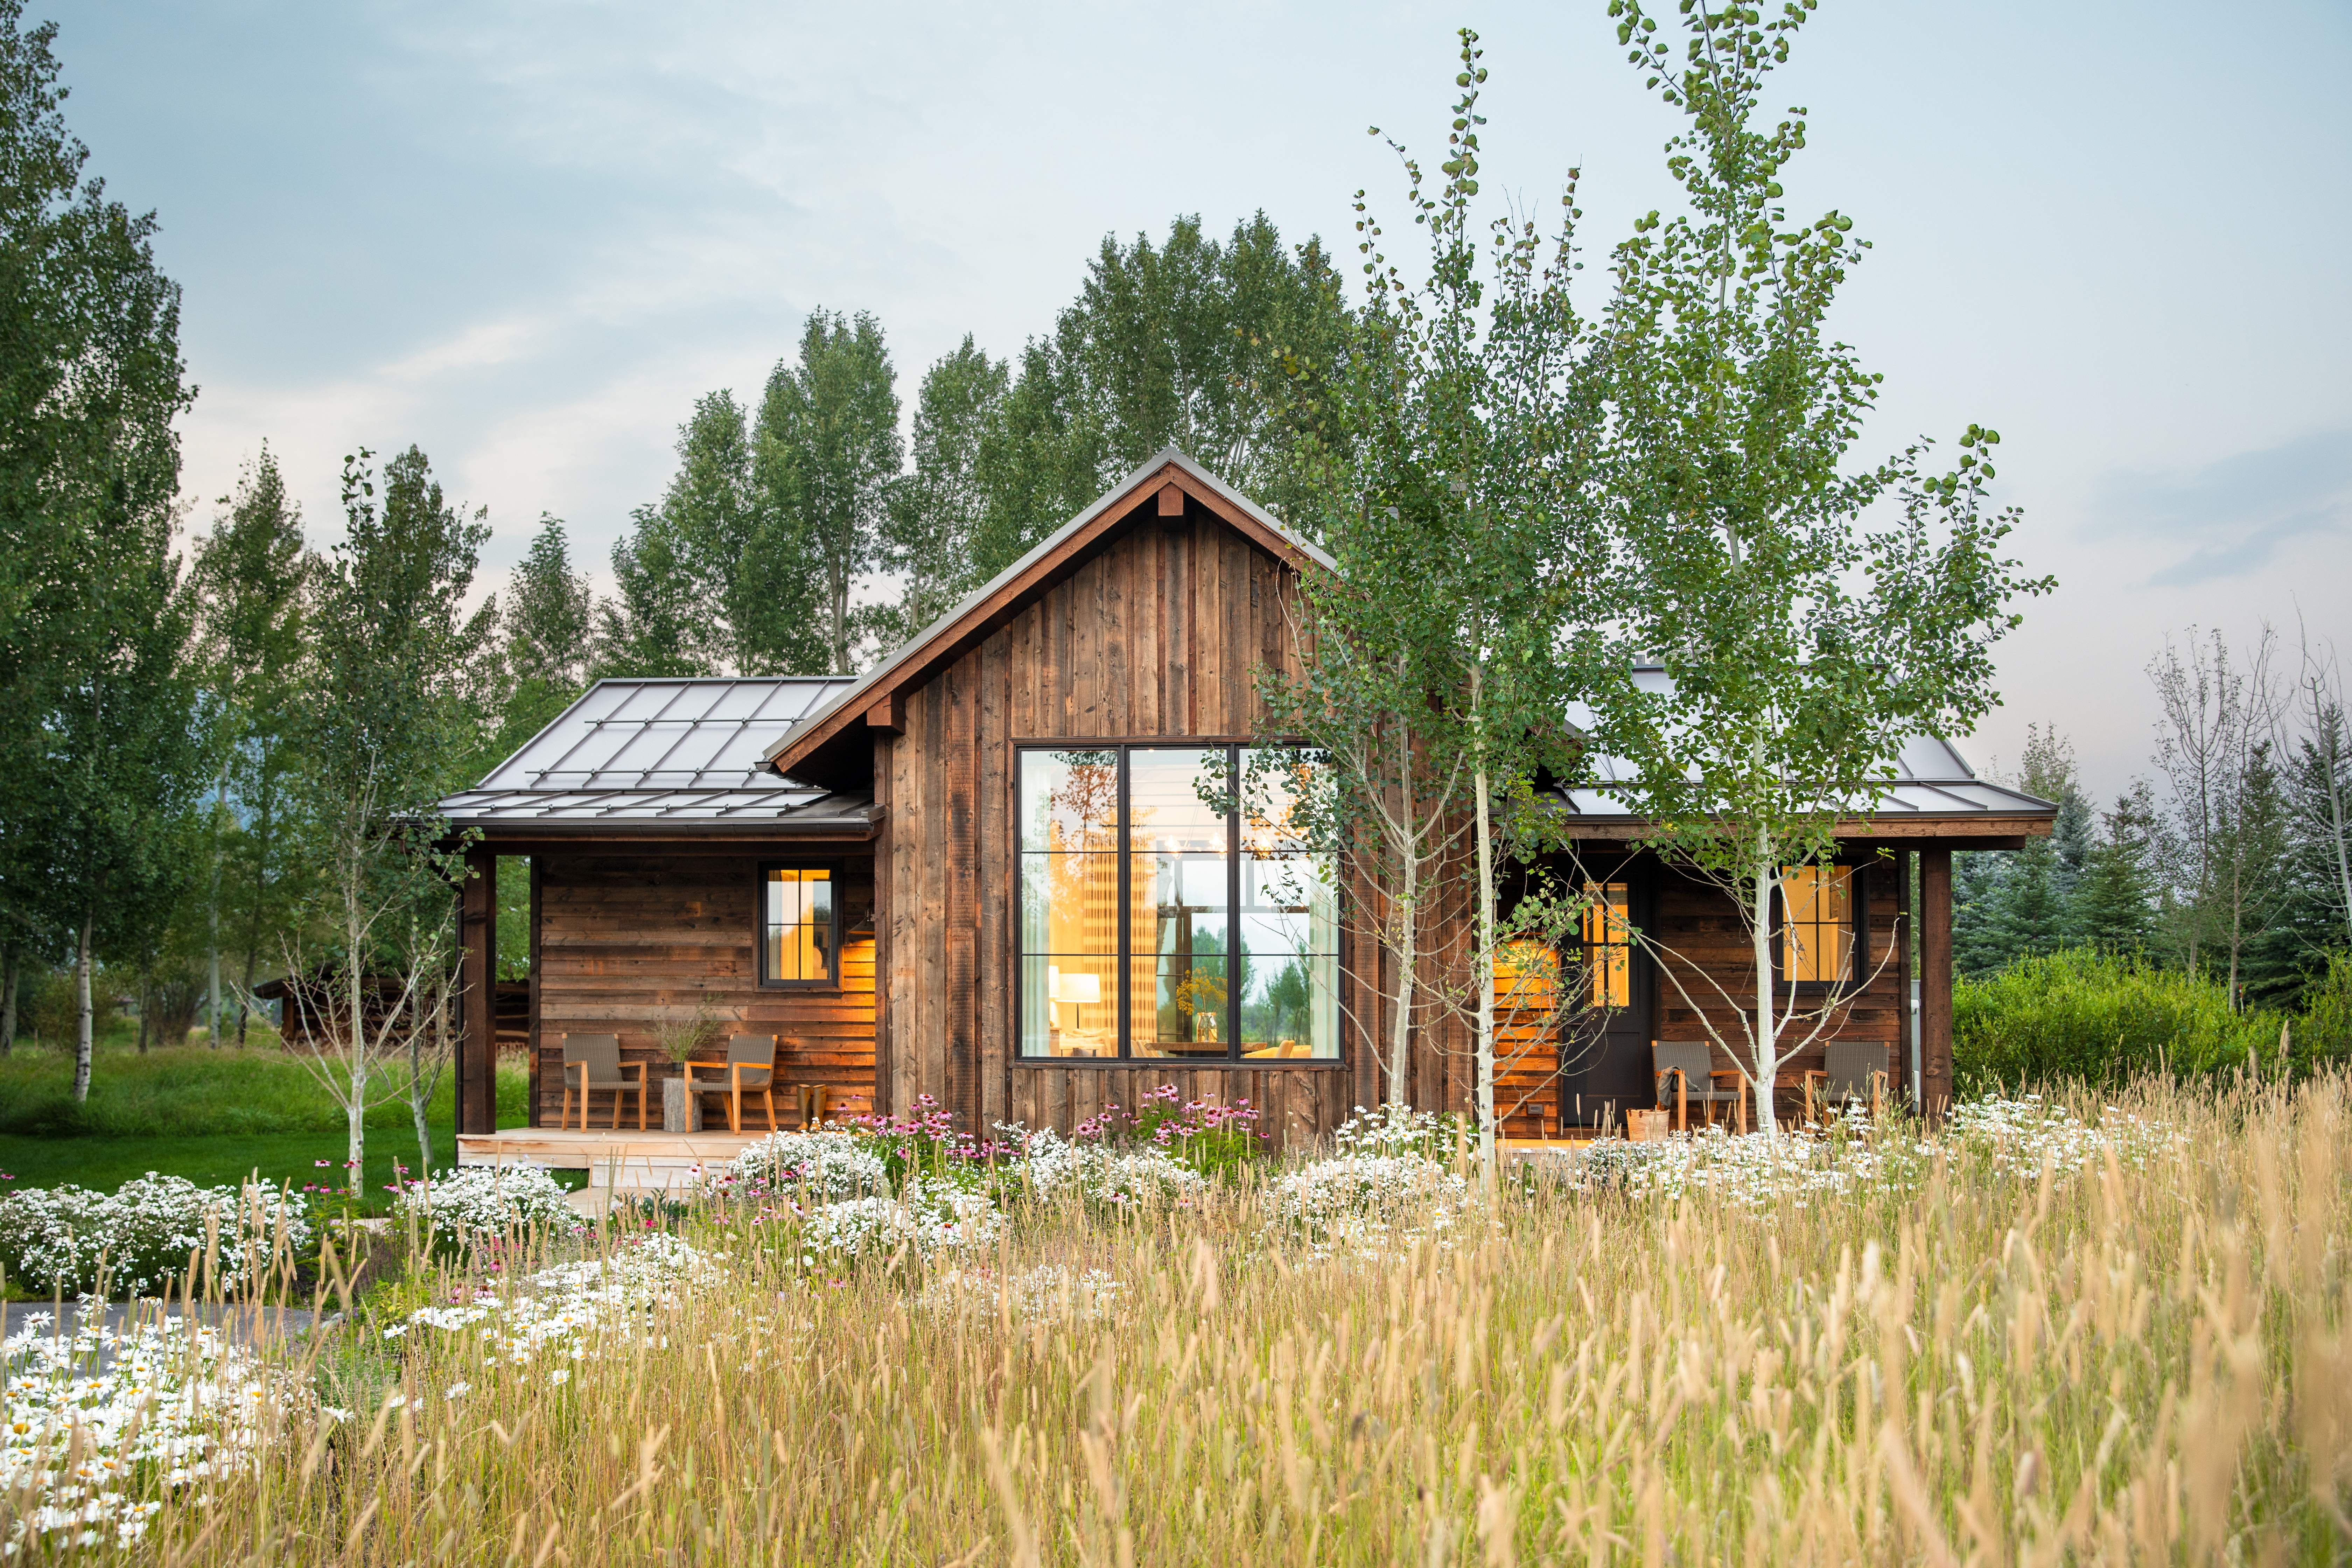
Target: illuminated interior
<point>1817,923</point>
<point>1229,944</point>
<point>799,922</point>
<point>1609,945</point>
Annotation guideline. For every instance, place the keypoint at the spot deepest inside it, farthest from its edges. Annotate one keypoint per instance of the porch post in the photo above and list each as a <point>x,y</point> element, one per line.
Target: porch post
<point>478,1051</point>
<point>1936,981</point>
<point>531,1036</point>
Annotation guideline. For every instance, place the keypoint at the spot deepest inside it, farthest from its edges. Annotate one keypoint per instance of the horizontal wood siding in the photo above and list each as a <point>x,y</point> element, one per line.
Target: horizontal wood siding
<point>627,943</point>
<point>1159,632</point>
<point>1709,945</point>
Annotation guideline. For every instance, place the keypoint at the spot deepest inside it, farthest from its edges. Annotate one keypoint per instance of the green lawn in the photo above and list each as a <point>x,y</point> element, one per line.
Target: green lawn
<point>220,1159</point>
<point>210,1116</point>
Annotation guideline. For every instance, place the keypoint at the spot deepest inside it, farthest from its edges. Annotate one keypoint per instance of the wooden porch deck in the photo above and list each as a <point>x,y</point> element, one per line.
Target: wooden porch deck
<point>622,1162</point>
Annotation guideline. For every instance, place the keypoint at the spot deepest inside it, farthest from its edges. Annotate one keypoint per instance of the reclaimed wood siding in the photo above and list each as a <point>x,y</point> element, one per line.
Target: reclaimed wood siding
<point>1158,634</point>
<point>627,943</point>
<point>1707,948</point>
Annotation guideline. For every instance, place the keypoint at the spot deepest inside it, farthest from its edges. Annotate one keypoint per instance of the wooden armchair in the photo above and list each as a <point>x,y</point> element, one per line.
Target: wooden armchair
<point>750,1068</point>
<point>591,1063</point>
<point>1850,1069</point>
<point>1691,1063</point>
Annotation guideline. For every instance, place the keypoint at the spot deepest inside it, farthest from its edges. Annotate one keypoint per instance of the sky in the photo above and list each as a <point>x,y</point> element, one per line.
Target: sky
<point>526,237</point>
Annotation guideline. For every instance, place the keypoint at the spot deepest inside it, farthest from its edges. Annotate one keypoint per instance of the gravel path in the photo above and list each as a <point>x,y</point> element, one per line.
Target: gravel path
<point>244,1325</point>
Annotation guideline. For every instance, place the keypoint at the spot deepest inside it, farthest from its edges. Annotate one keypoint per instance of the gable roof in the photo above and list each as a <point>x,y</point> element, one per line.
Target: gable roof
<point>637,754</point>
<point>819,747</point>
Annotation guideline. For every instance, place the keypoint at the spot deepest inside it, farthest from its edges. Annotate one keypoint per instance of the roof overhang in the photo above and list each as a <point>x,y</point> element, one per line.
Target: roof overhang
<point>832,747</point>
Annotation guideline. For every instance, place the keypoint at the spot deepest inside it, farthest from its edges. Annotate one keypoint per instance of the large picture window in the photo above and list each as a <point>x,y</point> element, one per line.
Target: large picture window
<point>1819,917</point>
<point>1167,914</point>
<point>800,933</point>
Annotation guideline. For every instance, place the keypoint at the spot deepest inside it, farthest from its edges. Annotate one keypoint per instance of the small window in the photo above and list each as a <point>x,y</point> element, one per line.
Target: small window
<point>1817,924</point>
<point>800,936</point>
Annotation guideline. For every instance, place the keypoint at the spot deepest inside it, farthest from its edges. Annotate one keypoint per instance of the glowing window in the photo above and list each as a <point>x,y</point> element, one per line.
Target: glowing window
<point>1817,923</point>
<point>799,935</point>
<point>1609,945</point>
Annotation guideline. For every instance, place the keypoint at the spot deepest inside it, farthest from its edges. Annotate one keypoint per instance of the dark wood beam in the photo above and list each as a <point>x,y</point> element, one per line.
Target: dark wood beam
<point>1171,500</point>
<point>1936,981</point>
<point>476,1097</point>
<point>888,713</point>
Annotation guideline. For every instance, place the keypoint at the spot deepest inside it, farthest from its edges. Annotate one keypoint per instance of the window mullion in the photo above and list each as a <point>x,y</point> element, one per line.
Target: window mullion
<point>1232,906</point>
<point>1126,914</point>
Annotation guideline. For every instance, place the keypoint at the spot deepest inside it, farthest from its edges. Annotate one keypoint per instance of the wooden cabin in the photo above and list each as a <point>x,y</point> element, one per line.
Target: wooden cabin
<point>985,871</point>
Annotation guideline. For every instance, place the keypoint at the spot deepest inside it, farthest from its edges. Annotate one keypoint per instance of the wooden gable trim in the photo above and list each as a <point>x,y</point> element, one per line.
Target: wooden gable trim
<point>878,702</point>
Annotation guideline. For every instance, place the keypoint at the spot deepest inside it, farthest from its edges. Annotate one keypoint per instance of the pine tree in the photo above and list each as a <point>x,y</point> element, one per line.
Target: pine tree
<point>2113,904</point>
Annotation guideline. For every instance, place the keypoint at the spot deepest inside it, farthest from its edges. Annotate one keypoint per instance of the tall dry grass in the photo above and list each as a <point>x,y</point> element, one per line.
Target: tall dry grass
<point>2128,1364</point>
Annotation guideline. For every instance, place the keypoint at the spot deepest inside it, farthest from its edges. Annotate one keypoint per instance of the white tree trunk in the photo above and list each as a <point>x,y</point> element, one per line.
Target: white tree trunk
<point>1767,1065</point>
<point>82,1027</point>
<point>1408,962</point>
<point>212,943</point>
<point>1485,980</point>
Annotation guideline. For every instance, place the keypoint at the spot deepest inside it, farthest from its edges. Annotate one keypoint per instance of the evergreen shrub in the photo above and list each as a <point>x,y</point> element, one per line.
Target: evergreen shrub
<point>2101,1018</point>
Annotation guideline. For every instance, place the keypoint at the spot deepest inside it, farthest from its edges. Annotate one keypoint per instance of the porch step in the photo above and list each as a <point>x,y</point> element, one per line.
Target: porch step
<point>616,1163</point>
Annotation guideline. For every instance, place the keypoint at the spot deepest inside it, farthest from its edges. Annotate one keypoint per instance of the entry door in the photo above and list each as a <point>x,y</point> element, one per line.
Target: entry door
<point>1610,1042</point>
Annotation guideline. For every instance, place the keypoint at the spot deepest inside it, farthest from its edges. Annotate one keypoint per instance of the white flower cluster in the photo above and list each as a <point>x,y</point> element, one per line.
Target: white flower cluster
<point>1395,1130</point>
<point>58,1239</point>
<point>174,1406</point>
<point>1749,1169</point>
<point>1113,1179</point>
<point>477,1203</point>
<point>2018,1135</point>
<point>554,1313</point>
<point>926,1218</point>
<point>826,1165</point>
<point>1050,1292</point>
<point>1758,1172</point>
<point>1368,1202</point>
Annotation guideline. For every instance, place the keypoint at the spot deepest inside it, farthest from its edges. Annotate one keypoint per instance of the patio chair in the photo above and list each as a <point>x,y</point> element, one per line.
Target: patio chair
<point>1691,1064</point>
<point>591,1063</point>
<point>750,1068</point>
<point>1850,1070</point>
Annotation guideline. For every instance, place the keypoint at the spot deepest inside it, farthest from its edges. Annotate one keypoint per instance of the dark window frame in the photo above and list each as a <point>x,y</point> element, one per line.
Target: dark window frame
<point>1857,972</point>
<point>767,982</point>
<point>1123,961</point>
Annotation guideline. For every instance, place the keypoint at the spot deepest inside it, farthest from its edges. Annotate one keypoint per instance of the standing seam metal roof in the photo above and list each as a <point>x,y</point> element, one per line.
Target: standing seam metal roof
<point>664,750</point>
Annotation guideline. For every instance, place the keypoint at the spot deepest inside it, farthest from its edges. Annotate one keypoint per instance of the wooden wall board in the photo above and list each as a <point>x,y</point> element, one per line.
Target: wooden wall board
<point>626,942</point>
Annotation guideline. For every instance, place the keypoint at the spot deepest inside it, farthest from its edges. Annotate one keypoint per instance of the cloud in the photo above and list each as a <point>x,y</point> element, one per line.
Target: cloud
<point>2236,511</point>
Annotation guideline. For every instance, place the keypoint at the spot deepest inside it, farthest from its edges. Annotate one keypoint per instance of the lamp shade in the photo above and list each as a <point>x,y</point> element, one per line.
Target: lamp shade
<point>1084,989</point>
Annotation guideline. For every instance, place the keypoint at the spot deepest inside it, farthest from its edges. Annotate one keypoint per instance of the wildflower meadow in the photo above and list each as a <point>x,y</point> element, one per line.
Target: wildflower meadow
<point>2080,1328</point>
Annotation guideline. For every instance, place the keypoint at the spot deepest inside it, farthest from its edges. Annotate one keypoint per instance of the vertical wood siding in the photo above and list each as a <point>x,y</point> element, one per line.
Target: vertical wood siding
<point>1161,633</point>
<point>628,941</point>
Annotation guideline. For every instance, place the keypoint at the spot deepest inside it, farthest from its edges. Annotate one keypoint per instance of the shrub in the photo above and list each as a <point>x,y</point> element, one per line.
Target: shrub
<point>2324,1033</point>
<point>56,1239</point>
<point>478,1204</point>
<point>2096,1016</point>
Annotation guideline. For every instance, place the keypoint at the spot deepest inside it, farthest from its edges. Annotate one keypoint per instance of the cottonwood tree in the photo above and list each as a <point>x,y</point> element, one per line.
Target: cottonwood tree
<point>1800,646</point>
<point>826,453</point>
<point>249,575</point>
<point>389,722</point>
<point>2218,720</point>
<point>1442,659</point>
<point>550,623</point>
<point>937,509</point>
<point>99,752</point>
